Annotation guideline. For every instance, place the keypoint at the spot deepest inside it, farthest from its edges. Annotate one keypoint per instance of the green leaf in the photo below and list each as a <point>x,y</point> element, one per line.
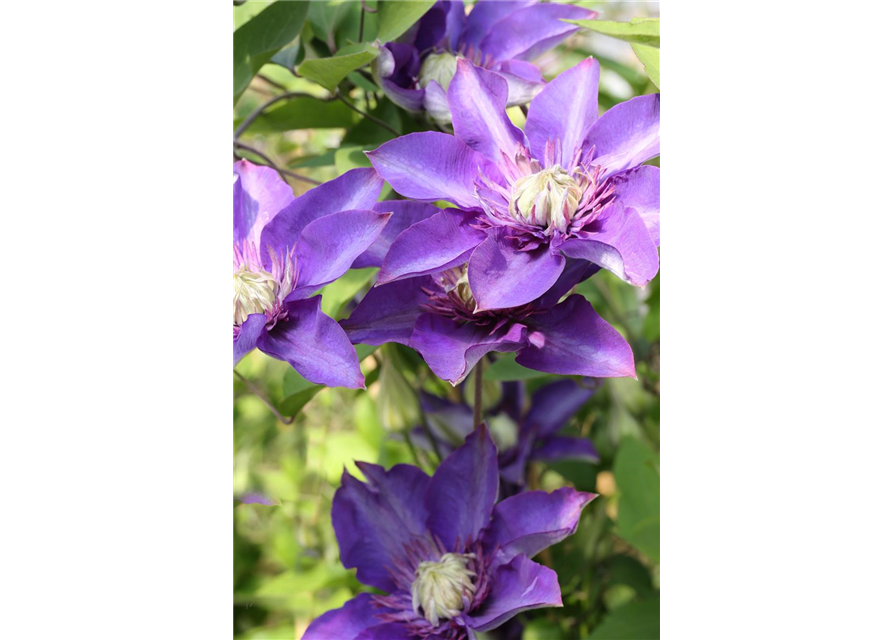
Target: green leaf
<point>328,72</point>
<point>256,41</point>
<point>641,31</point>
<point>395,17</point>
<point>325,17</point>
<point>650,57</point>
<point>507,369</point>
<point>304,113</point>
<point>637,474</point>
<point>634,621</point>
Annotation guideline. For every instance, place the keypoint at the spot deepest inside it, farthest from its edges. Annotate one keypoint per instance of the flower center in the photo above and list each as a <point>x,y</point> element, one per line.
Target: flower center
<point>439,68</point>
<point>254,292</point>
<point>442,589</point>
<point>548,198</point>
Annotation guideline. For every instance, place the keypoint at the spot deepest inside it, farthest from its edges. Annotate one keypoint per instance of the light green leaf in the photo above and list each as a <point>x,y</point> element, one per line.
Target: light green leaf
<point>395,17</point>
<point>636,471</point>
<point>507,369</point>
<point>642,31</point>
<point>328,72</point>
<point>634,621</point>
<point>256,41</point>
<point>650,57</point>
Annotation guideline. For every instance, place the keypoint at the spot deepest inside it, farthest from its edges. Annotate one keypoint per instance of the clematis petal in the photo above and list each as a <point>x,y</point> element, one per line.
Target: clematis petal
<point>627,134</point>
<point>575,272</point>
<point>518,586</point>
<point>387,631</point>
<point>576,341</point>
<point>259,193</point>
<point>409,99</point>
<point>451,350</point>
<point>329,245</point>
<point>502,277</point>
<point>436,103</point>
<point>620,242</point>
<point>485,14</point>
<point>388,313</point>
<point>374,520</point>
<point>404,214</point>
<point>451,423</point>
<point>524,79</point>
<point>477,100</point>
<point>565,448</point>
<point>554,404</point>
<point>462,492</point>
<point>639,188</point>
<point>431,27</point>
<point>532,521</point>
<point>565,110</point>
<point>356,189</point>
<point>315,345</point>
<point>526,33</point>
<point>431,166</point>
<point>455,22</point>
<point>431,246</point>
<point>249,332</point>
<point>345,623</point>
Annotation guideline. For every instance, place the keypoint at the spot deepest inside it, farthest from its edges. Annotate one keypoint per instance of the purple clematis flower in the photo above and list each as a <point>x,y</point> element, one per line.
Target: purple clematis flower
<point>415,73</point>
<point>436,316</point>
<point>571,186</point>
<point>520,435</point>
<point>284,250</point>
<point>451,561</point>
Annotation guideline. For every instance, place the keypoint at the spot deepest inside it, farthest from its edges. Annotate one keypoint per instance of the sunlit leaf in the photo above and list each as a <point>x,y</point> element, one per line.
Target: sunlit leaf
<point>638,31</point>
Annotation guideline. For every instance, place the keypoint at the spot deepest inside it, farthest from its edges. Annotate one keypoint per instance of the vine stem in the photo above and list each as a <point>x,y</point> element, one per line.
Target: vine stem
<point>254,115</point>
<point>478,394</point>
<point>368,116</point>
<point>271,164</point>
<point>259,394</point>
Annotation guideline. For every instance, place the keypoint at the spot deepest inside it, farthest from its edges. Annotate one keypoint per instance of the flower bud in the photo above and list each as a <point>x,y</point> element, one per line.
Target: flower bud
<point>504,431</point>
<point>439,68</point>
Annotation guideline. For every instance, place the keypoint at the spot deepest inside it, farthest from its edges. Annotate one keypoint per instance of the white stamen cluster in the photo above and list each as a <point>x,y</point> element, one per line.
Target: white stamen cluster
<point>455,281</point>
<point>443,588</point>
<point>254,292</point>
<point>548,198</point>
<point>439,68</point>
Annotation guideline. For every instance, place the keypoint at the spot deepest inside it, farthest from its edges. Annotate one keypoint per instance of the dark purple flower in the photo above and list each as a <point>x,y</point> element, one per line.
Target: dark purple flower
<point>284,250</point>
<point>437,316</point>
<point>502,37</point>
<point>571,186</point>
<point>519,435</point>
<point>451,561</point>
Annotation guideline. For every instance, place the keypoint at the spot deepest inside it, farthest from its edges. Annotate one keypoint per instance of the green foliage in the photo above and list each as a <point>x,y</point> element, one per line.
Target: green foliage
<point>638,478</point>
<point>256,41</point>
<point>634,621</point>
<point>505,369</point>
<point>650,57</point>
<point>303,113</point>
<point>328,72</point>
<point>642,33</point>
